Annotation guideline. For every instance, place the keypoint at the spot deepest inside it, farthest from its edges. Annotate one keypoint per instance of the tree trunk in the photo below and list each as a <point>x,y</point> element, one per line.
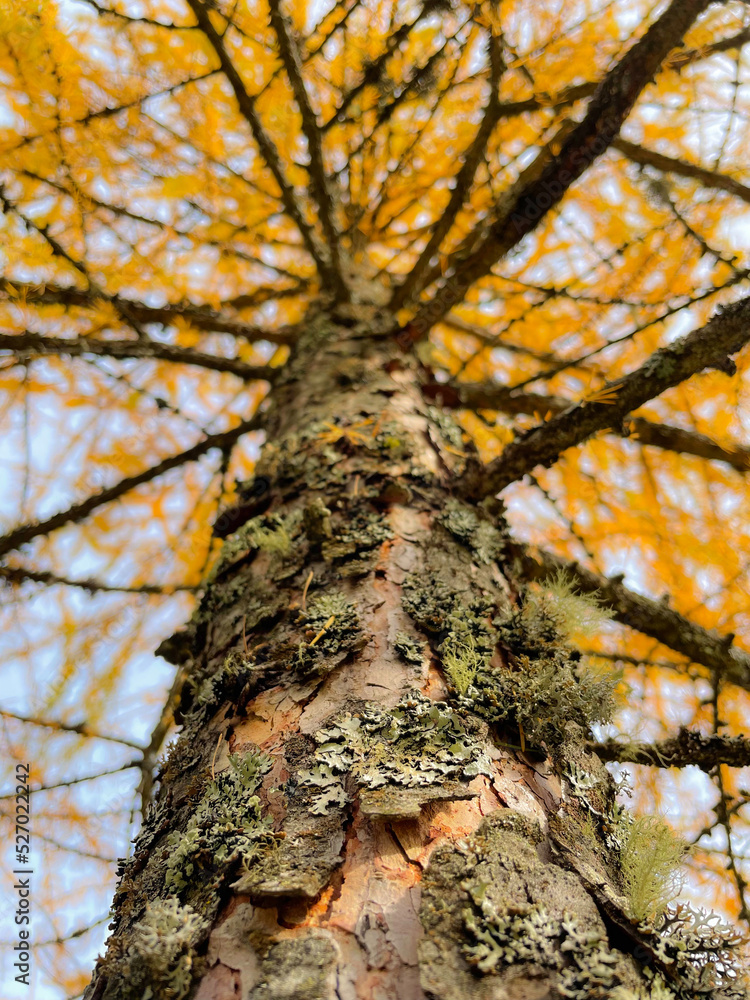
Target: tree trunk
<point>380,789</point>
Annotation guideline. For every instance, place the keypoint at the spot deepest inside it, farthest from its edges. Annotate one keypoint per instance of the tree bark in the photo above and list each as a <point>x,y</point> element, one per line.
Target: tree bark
<point>381,765</point>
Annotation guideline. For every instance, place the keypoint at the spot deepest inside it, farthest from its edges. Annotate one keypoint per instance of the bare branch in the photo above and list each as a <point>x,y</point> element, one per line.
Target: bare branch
<point>80,728</point>
<point>417,82</point>
<point>708,347</point>
<point>672,438</point>
<point>511,109</point>
<point>607,110</point>
<point>151,22</point>
<point>688,748</point>
<point>478,238</point>
<point>492,396</point>
<point>689,56</point>
<point>201,317</point>
<point>29,343</point>
<point>672,165</point>
<point>16,575</point>
<point>77,781</point>
<point>79,511</point>
<point>158,735</point>
<point>498,340</point>
<point>79,851</point>
<point>110,112</point>
<point>79,266</point>
<point>246,104</point>
<point>373,71</point>
<point>62,939</point>
<point>653,618</point>
<point>413,283</point>
<point>320,185</point>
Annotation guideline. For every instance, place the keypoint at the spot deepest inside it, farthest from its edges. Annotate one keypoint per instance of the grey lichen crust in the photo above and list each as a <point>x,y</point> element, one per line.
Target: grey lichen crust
<point>490,905</point>
<point>501,936</point>
<point>160,957</point>
<point>397,758</point>
<point>500,922</point>
<point>332,626</point>
<point>302,968</point>
<point>227,823</point>
<point>267,533</point>
<point>309,642</point>
<point>409,649</point>
<point>477,533</point>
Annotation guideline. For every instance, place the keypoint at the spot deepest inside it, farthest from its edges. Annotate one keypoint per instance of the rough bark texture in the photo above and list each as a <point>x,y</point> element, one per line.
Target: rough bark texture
<point>381,790</point>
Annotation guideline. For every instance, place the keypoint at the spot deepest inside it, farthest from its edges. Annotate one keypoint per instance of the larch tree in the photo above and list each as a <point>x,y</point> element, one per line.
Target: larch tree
<point>400,346</point>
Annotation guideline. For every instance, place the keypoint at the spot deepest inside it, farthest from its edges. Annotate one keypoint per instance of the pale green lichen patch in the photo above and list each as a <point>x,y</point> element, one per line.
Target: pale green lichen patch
<point>355,542</point>
<point>584,964</point>
<point>540,685</point>
<point>691,952</point>
<point>462,660</point>
<point>418,743</point>
<point>332,628</point>
<point>160,958</point>
<point>492,908</point>
<point>316,521</point>
<point>429,602</point>
<point>244,596</point>
<point>590,785</point>
<point>491,905</point>
<point>439,610</point>
<point>409,649</point>
<point>207,693</point>
<point>309,847</point>
<point>227,823</point>
<point>303,861</point>
<point>267,533</point>
<point>450,431</point>
<point>300,968</point>
<point>480,536</point>
<point>655,988</point>
<point>574,613</point>
<point>651,857</point>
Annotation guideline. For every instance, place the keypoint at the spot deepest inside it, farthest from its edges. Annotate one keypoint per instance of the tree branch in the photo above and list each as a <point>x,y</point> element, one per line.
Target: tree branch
<point>492,396</point>
<point>158,735</point>
<point>689,56</point>
<point>607,110</point>
<point>373,70</point>
<point>34,343</point>
<point>109,112</point>
<point>413,284</point>
<point>266,147</point>
<point>16,575</point>
<point>201,317</point>
<point>78,266</point>
<point>708,347</point>
<point>686,749</point>
<point>79,511</point>
<point>677,439</point>
<point>77,781</point>
<point>80,728</point>
<point>672,165</point>
<point>652,618</point>
<point>320,186</point>
<point>478,237</point>
<point>151,22</point>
